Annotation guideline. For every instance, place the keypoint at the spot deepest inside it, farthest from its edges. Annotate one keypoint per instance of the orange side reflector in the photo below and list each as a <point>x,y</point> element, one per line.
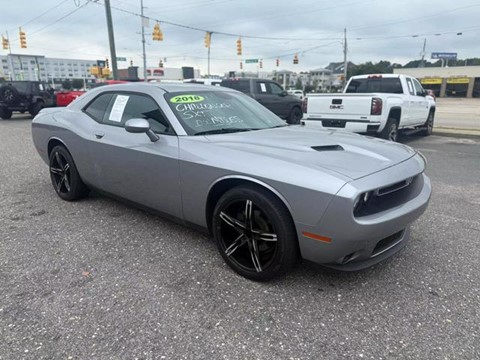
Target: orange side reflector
<point>316,237</point>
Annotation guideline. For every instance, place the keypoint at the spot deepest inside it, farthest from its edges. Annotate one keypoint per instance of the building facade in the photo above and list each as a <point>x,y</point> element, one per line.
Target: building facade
<point>455,81</point>
<point>39,67</point>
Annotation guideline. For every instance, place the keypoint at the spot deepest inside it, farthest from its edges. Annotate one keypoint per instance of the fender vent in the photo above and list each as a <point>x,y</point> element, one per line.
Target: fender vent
<point>328,148</point>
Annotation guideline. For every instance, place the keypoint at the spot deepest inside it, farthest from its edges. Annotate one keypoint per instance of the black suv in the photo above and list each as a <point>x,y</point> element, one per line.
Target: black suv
<point>31,96</point>
<point>271,95</point>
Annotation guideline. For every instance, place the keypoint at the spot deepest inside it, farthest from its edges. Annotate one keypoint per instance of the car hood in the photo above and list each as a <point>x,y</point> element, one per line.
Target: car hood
<point>351,155</point>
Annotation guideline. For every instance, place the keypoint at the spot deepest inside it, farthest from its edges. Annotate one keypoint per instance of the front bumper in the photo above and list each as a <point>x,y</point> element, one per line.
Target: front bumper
<point>360,242</point>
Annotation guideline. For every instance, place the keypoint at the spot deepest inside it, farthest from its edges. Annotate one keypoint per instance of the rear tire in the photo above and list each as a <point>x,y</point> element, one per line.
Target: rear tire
<point>390,131</point>
<point>295,116</point>
<point>5,113</point>
<point>64,175</point>
<point>254,233</point>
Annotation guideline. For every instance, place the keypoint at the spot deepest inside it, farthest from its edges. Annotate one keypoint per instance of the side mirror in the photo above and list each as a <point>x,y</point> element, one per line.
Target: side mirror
<point>283,93</point>
<point>138,126</point>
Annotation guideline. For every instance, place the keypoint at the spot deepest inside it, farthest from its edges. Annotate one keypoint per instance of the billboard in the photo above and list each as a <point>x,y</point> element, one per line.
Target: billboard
<point>444,55</point>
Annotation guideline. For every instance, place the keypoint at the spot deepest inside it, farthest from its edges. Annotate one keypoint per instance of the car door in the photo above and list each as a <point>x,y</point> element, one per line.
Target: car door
<point>422,109</point>
<point>45,94</point>
<point>268,96</point>
<point>130,165</point>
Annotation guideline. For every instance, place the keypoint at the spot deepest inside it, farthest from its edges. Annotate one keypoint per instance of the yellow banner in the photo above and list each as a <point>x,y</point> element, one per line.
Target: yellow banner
<point>459,80</point>
<point>431,81</point>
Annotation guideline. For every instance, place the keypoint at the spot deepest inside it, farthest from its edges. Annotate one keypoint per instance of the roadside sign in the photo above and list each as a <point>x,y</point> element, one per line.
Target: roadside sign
<point>458,80</point>
<point>251,61</point>
<point>444,55</point>
<point>121,58</point>
<point>431,81</point>
<point>101,63</point>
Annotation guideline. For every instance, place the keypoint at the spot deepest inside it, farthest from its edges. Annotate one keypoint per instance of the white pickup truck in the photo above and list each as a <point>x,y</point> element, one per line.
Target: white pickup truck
<point>373,104</point>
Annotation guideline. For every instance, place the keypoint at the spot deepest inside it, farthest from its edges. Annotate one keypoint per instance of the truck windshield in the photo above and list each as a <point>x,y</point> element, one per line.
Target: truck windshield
<point>375,85</point>
<point>216,112</point>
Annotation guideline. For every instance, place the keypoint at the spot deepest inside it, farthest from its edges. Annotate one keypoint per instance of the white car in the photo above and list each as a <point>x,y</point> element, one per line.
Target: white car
<point>297,93</point>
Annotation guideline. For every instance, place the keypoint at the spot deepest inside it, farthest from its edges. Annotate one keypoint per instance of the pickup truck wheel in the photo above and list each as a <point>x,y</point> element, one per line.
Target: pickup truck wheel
<point>390,131</point>
<point>5,113</point>
<point>295,116</point>
<point>35,108</point>
<point>428,127</point>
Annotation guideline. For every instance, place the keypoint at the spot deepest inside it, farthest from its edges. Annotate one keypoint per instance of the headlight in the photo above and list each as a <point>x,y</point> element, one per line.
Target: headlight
<point>361,201</point>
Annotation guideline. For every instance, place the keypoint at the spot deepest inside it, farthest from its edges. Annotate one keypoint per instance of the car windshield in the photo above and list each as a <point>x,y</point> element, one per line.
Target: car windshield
<point>216,112</point>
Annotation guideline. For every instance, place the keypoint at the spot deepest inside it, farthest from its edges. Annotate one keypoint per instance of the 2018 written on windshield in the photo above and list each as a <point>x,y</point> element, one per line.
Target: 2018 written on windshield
<point>202,114</point>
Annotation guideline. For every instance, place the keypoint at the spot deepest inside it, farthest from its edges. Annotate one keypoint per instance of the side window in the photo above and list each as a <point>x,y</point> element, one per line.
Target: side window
<point>124,107</point>
<point>418,88</point>
<point>275,89</point>
<point>41,87</point>
<point>410,87</point>
<point>261,88</point>
<point>96,109</point>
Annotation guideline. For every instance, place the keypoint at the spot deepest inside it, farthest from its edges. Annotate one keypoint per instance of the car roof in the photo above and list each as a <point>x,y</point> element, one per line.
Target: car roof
<point>167,87</point>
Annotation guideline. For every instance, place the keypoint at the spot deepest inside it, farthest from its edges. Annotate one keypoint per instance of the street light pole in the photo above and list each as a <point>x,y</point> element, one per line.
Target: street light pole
<point>143,45</point>
<point>111,40</point>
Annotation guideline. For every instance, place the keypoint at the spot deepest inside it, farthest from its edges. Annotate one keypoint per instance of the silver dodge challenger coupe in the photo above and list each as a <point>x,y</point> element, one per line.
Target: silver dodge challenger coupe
<point>214,158</point>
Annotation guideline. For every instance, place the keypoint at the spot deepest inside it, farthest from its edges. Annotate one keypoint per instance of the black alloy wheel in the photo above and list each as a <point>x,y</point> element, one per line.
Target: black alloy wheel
<point>9,94</point>
<point>254,233</point>
<point>64,175</point>
<point>5,113</point>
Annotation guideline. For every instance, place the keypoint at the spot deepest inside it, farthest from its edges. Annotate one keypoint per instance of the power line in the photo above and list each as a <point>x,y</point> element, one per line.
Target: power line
<point>47,11</point>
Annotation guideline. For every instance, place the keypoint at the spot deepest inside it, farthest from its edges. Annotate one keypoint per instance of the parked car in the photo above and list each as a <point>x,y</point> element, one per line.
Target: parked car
<point>216,159</point>
<point>271,95</point>
<point>65,97</point>
<point>23,96</point>
<point>297,93</point>
<point>374,104</point>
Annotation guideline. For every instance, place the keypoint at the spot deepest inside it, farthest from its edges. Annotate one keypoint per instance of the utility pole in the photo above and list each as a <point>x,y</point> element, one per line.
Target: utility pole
<point>345,62</point>
<point>143,44</point>
<point>210,37</point>
<point>111,39</point>
<point>422,62</point>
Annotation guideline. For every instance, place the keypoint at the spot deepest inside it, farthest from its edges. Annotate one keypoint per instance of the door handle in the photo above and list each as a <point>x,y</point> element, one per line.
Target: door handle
<point>99,135</point>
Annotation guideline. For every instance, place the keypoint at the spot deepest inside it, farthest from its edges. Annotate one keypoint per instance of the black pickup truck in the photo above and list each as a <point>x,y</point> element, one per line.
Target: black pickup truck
<point>22,96</point>
<point>271,95</point>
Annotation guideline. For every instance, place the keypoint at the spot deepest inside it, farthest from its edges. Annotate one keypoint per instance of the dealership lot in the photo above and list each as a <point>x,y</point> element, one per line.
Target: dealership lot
<point>98,279</point>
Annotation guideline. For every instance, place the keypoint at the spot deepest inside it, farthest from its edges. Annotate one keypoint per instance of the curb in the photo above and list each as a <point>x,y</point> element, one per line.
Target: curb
<point>456,132</point>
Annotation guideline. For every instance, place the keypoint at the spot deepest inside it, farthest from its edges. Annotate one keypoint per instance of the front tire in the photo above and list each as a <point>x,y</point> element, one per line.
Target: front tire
<point>35,108</point>
<point>255,233</point>
<point>390,131</point>
<point>64,175</point>
<point>428,127</point>
<point>295,116</point>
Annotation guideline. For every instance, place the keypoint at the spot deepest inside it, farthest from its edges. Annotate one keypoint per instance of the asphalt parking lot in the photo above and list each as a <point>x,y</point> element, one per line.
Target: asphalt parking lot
<point>97,279</point>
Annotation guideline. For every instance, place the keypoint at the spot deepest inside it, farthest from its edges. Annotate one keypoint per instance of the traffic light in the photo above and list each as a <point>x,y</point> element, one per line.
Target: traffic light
<point>278,62</point>
<point>295,59</point>
<point>107,65</point>
<point>208,39</point>
<point>160,63</point>
<point>95,70</point>
<point>239,47</point>
<point>157,34</point>
<point>23,38</point>
<point>260,64</point>
<point>131,62</point>
<point>241,65</point>
<point>5,43</point>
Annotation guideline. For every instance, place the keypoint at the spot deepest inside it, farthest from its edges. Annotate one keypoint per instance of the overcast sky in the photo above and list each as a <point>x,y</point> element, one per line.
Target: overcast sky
<point>392,30</point>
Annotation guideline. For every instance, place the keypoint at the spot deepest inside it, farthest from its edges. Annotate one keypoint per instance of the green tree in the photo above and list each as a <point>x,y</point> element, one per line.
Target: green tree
<point>298,84</point>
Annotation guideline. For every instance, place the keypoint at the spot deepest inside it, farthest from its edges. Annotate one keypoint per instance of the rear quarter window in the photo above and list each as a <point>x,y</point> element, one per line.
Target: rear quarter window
<point>242,86</point>
<point>97,108</point>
